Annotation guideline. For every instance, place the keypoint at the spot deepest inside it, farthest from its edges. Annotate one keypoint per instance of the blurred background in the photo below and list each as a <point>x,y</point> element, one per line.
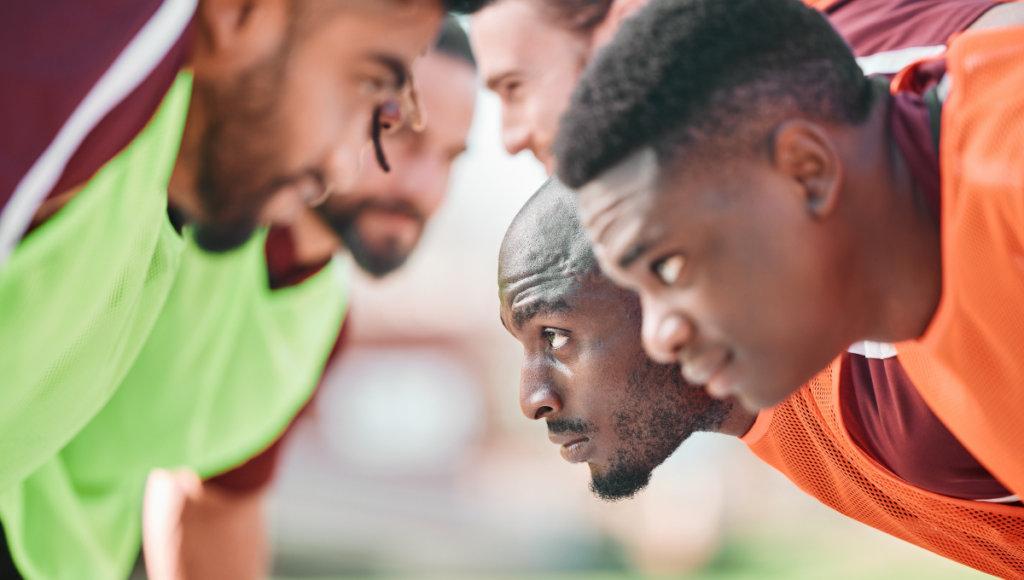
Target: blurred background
<point>415,461</point>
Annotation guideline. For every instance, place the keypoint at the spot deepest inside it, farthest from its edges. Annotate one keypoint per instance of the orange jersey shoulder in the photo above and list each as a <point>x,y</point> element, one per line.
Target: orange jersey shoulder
<point>969,365</point>
<point>805,439</point>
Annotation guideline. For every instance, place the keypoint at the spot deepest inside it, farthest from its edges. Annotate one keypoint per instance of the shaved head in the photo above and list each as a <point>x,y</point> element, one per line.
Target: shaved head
<point>584,370</point>
<point>545,251</point>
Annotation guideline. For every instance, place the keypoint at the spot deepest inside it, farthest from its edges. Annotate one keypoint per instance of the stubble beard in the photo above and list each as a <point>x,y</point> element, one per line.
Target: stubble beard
<point>239,155</point>
<point>652,423</point>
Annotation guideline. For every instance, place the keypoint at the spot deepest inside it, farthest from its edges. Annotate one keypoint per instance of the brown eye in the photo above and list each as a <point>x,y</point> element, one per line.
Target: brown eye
<point>668,269</point>
<point>555,338</point>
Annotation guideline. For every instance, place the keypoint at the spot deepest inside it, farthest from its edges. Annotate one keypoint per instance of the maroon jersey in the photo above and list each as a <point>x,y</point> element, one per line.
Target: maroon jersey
<point>80,80</point>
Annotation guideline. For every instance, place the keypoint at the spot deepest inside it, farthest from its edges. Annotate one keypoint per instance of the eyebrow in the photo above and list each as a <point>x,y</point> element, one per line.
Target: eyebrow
<point>495,80</point>
<point>634,253</point>
<point>395,65</point>
<point>521,316</point>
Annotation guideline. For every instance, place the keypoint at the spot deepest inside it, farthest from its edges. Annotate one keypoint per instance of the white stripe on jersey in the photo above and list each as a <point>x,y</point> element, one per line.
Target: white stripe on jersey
<point>132,66</point>
<point>893,61</point>
<point>880,350</point>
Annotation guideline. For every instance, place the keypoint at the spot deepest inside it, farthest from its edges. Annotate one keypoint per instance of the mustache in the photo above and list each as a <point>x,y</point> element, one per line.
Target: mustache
<point>348,213</point>
<point>570,426</point>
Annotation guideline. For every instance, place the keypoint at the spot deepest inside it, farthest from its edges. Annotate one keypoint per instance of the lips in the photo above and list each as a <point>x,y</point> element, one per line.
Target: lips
<point>574,448</point>
<point>706,369</point>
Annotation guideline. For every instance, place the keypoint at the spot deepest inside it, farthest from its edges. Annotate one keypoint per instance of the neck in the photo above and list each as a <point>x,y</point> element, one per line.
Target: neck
<point>896,237</point>
<point>739,421</point>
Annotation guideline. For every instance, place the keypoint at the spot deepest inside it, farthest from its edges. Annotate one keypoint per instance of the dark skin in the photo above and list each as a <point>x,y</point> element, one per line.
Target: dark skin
<point>756,270</point>
<point>606,403</point>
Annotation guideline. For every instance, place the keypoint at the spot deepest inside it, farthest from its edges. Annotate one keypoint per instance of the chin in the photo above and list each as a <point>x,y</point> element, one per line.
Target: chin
<point>761,394</point>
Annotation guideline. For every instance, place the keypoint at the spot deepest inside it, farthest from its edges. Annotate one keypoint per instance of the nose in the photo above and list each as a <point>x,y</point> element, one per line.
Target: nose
<point>665,333</point>
<point>515,132</point>
<point>537,398</point>
<point>345,164</point>
<point>423,180</point>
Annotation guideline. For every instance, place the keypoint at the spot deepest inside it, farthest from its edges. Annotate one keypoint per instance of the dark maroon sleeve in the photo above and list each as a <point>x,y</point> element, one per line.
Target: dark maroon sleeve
<point>283,268</point>
<point>257,473</point>
<point>51,55</point>
<point>873,26</point>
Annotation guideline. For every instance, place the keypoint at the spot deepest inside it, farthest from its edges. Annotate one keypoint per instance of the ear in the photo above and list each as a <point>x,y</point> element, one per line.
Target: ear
<point>804,152</point>
<point>606,29</point>
<point>242,30</point>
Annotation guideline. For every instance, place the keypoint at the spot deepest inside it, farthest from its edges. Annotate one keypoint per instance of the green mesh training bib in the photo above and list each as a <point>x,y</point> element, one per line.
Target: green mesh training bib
<point>79,295</point>
<point>227,366</point>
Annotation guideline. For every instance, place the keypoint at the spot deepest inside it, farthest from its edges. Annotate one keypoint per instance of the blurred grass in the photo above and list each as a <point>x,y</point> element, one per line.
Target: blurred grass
<point>766,557</point>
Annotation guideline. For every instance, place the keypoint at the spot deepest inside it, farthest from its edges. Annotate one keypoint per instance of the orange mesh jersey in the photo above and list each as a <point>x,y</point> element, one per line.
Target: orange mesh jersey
<point>804,438</point>
<point>969,364</point>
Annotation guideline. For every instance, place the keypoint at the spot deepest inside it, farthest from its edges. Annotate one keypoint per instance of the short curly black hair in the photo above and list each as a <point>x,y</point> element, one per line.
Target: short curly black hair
<point>683,71</point>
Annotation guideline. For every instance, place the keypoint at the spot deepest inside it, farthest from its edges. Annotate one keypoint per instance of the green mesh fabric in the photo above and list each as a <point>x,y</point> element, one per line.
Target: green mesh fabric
<point>81,293</point>
<point>228,364</point>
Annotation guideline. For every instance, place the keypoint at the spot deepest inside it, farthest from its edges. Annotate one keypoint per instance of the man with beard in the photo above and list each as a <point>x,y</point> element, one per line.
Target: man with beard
<point>584,370</point>
<point>606,403</point>
<point>234,113</point>
<point>238,111</point>
<point>215,529</point>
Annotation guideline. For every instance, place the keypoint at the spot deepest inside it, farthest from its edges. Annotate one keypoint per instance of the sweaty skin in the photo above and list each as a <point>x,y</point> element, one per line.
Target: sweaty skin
<point>584,370</point>
<point>756,270</point>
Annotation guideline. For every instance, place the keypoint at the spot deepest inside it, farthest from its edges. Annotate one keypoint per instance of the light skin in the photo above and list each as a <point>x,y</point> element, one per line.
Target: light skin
<point>283,98</point>
<point>533,63</point>
<point>385,212</point>
<point>756,270</point>
<point>606,404</point>
<point>221,535</point>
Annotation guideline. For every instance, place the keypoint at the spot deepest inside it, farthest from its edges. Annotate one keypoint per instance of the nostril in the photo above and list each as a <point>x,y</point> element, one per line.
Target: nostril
<point>541,412</point>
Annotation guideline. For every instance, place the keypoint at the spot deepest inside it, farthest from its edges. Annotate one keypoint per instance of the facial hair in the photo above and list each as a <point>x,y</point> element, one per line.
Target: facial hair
<point>660,411</point>
<point>377,261</point>
<point>239,154</point>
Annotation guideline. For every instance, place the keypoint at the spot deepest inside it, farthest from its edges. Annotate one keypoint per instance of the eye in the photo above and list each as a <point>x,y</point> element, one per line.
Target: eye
<point>371,87</point>
<point>669,268</point>
<point>556,338</point>
<point>511,89</point>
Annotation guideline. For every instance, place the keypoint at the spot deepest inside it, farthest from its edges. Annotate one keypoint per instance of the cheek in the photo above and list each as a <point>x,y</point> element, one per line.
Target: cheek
<point>322,117</point>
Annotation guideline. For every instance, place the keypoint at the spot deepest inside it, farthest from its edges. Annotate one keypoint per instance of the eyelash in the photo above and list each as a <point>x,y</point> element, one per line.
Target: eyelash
<point>551,332</point>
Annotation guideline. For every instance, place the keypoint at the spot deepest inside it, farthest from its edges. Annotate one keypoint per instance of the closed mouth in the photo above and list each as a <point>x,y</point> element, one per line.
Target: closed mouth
<point>576,451</point>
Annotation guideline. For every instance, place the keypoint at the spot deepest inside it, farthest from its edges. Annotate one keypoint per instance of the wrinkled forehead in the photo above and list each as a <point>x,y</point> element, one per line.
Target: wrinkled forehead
<point>546,250</point>
<point>614,206</point>
<point>544,263</point>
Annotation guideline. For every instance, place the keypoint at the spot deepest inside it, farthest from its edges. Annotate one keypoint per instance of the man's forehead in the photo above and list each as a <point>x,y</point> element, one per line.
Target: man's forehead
<point>504,35</point>
<point>613,205</point>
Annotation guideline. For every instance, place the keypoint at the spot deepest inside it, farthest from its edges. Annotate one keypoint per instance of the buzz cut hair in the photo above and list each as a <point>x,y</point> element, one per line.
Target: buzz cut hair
<point>684,73</point>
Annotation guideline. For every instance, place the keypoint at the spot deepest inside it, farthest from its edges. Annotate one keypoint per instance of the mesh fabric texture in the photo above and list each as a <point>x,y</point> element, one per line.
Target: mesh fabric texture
<point>969,365</point>
<point>81,293</point>
<point>226,367</point>
<point>807,442</point>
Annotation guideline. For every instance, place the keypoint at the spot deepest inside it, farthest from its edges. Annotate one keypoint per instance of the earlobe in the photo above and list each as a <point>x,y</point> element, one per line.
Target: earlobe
<point>606,29</point>
<point>226,21</point>
<point>803,151</point>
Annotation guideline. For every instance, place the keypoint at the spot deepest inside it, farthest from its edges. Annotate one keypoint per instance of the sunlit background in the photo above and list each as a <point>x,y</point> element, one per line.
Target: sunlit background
<point>416,462</point>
